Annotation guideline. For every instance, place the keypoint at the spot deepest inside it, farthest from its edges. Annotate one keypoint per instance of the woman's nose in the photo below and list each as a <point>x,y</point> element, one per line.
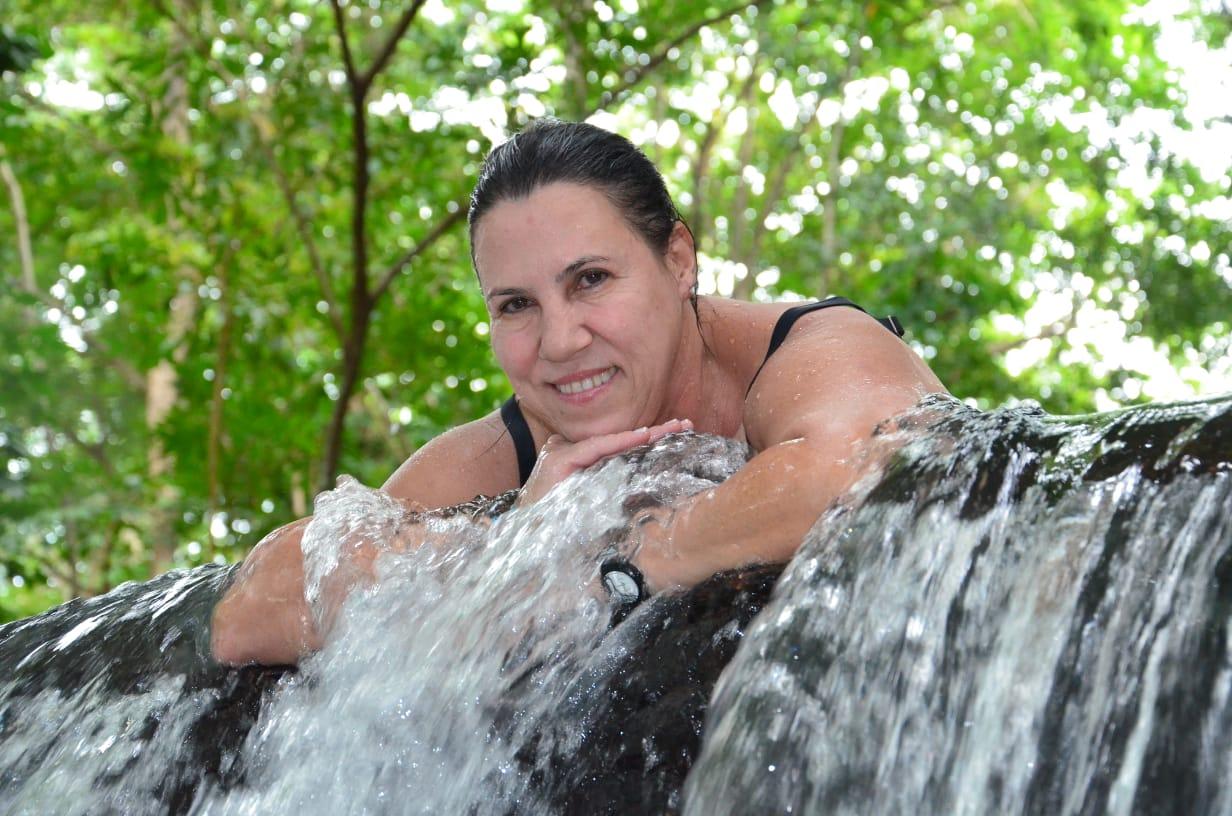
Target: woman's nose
<point>563,335</point>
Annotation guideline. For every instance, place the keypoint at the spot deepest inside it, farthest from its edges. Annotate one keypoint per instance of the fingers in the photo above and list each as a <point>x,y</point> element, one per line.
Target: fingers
<point>589,451</point>
<point>670,427</point>
<point>559,457</point>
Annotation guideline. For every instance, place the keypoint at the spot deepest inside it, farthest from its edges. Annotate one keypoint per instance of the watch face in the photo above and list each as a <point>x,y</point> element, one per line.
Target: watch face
<point>621,586</point>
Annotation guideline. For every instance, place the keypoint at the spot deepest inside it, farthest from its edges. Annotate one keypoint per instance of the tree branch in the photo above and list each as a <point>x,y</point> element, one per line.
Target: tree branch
<point>414,252</point>
<point>575,74</point>
<point>1049,332</point>
<point>127,371</point>
<point>361,299</point>
<point>305,234</point>
<point>391,44</point>
<point>786,160</point>
<point>635,76</point>
<point>73,540</point>
<point>701,166</point>
<point>25,250</point>
<point>359,192</point>
<point>347,60</point>
<point>95,452</point>
<point>88,133</point>
<point>102,557</point>
<point>378,409</point>
<point>62,574</point>
<point>829,212</point>
<point>18,201</point>
<point>264,130</point>
<point>213,445</point>
<point>737,236</point>
<point>775,191</point>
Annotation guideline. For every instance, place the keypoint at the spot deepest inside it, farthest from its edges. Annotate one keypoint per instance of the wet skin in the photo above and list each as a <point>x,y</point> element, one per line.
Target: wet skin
<point>597,336</point>
<point>588,321</point>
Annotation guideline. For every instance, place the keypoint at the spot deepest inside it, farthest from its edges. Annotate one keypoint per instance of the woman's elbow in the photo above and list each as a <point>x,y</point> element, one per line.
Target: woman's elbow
<point>239,639</point>
<point>263,617</point>
<point>228,643</point>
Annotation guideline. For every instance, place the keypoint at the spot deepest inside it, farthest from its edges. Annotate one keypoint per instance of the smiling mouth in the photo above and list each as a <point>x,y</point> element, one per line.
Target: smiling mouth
<point>578,386</point>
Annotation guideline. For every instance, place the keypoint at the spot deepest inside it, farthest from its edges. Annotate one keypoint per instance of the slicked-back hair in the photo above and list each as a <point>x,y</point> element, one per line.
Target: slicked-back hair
<point>550,151</point>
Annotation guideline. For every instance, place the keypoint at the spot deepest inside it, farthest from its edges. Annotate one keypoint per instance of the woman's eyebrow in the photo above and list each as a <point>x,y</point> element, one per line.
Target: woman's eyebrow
<point>578,264</point>
<point>502,292</point>
<point>560,276</point>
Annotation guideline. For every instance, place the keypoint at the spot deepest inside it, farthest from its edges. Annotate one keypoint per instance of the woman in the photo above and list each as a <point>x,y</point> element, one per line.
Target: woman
<point>589,276</point>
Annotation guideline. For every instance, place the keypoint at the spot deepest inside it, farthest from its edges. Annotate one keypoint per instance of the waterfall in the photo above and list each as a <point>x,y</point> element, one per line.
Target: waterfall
<point>1017,613</point>
<point>1023,614</point>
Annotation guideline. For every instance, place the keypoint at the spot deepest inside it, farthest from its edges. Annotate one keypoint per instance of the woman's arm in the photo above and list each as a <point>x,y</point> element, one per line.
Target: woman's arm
<point>264,617</point>
<point>810,414</point>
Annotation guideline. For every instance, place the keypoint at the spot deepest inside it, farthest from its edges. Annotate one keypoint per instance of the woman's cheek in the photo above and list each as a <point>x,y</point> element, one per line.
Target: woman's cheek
<point>514,351</point>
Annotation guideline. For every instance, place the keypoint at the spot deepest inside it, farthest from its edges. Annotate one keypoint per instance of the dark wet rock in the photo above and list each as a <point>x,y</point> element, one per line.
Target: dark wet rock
<point>643,718</point>
<point>637,715</point>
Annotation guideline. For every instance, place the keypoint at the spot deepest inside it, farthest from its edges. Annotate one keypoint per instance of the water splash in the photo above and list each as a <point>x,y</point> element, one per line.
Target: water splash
<point>1019,616</point>
<point>109,705</point>
<point>443,681</point>
<point>1020,613</point>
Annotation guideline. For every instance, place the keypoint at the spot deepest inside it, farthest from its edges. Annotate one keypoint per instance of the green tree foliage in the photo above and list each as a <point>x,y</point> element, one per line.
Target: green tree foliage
<point>233,260</point>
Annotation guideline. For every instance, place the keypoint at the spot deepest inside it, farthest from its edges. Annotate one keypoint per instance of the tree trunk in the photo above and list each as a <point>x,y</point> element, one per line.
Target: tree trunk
<point>827,266</point>
<point>25,252</point>
<point>352,365</point>
<point>162,389</point>
<point>213,450</point>
<point>573,19</point>
<point>161,393</point>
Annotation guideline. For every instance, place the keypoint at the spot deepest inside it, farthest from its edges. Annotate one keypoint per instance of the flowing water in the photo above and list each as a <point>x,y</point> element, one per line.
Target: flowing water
<point>1017,614</point>
<point>1023,615</point>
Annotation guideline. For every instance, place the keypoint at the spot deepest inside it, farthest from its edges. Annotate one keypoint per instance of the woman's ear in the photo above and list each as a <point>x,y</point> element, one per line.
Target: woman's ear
<point>682,258</point>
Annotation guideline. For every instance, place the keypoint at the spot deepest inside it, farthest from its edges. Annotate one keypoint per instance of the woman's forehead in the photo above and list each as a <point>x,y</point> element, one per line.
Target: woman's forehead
<point>547,231</point>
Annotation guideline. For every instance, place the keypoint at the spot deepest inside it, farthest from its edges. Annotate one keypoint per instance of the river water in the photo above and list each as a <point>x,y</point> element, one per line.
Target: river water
<point>1018,613</point>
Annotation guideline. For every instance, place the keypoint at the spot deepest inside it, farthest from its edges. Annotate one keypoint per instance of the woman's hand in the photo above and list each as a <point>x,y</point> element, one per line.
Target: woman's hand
<point>560,458</point>
<point>655,555</point>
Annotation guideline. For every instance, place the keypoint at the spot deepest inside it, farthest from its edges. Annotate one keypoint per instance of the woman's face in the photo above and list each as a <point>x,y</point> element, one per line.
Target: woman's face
<point>587,320</point>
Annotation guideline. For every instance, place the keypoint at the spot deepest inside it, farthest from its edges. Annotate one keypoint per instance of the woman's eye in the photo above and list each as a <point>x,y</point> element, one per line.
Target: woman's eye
<point>514,305</point>
<point>591,278</point>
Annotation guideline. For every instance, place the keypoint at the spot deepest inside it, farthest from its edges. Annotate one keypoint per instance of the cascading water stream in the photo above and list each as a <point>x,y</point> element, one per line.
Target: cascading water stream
<point>1021,615</point>
<point>475,675</point>
<point>439,684</point>
<point>1017,614</point>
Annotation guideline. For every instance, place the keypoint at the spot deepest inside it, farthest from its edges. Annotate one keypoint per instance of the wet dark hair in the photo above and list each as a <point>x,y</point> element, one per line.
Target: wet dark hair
<point>550,151</point>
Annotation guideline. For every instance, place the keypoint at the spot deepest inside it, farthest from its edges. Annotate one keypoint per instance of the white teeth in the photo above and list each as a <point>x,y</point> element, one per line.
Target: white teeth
<point>588,383</point>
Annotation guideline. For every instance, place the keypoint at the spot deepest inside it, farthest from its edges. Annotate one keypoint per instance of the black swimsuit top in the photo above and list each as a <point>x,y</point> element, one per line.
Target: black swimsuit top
<point>524,441</point>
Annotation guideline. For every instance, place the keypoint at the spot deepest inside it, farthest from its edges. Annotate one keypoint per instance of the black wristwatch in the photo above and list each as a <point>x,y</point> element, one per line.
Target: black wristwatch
<point>625,584</point>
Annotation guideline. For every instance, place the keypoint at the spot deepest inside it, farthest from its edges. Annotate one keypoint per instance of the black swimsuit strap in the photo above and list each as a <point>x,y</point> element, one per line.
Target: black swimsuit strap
<point>789,318</point>
<point>523,440</point>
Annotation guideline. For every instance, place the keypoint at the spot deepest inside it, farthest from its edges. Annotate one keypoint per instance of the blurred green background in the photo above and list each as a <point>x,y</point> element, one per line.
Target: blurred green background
<point>233,260</point>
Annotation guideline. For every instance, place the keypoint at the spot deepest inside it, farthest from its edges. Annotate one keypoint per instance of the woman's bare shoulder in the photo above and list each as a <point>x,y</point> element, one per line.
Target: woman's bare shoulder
<point>464,462</point>
<point>837,374</point>
<point>738,332</point>
<point>729,314</point>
